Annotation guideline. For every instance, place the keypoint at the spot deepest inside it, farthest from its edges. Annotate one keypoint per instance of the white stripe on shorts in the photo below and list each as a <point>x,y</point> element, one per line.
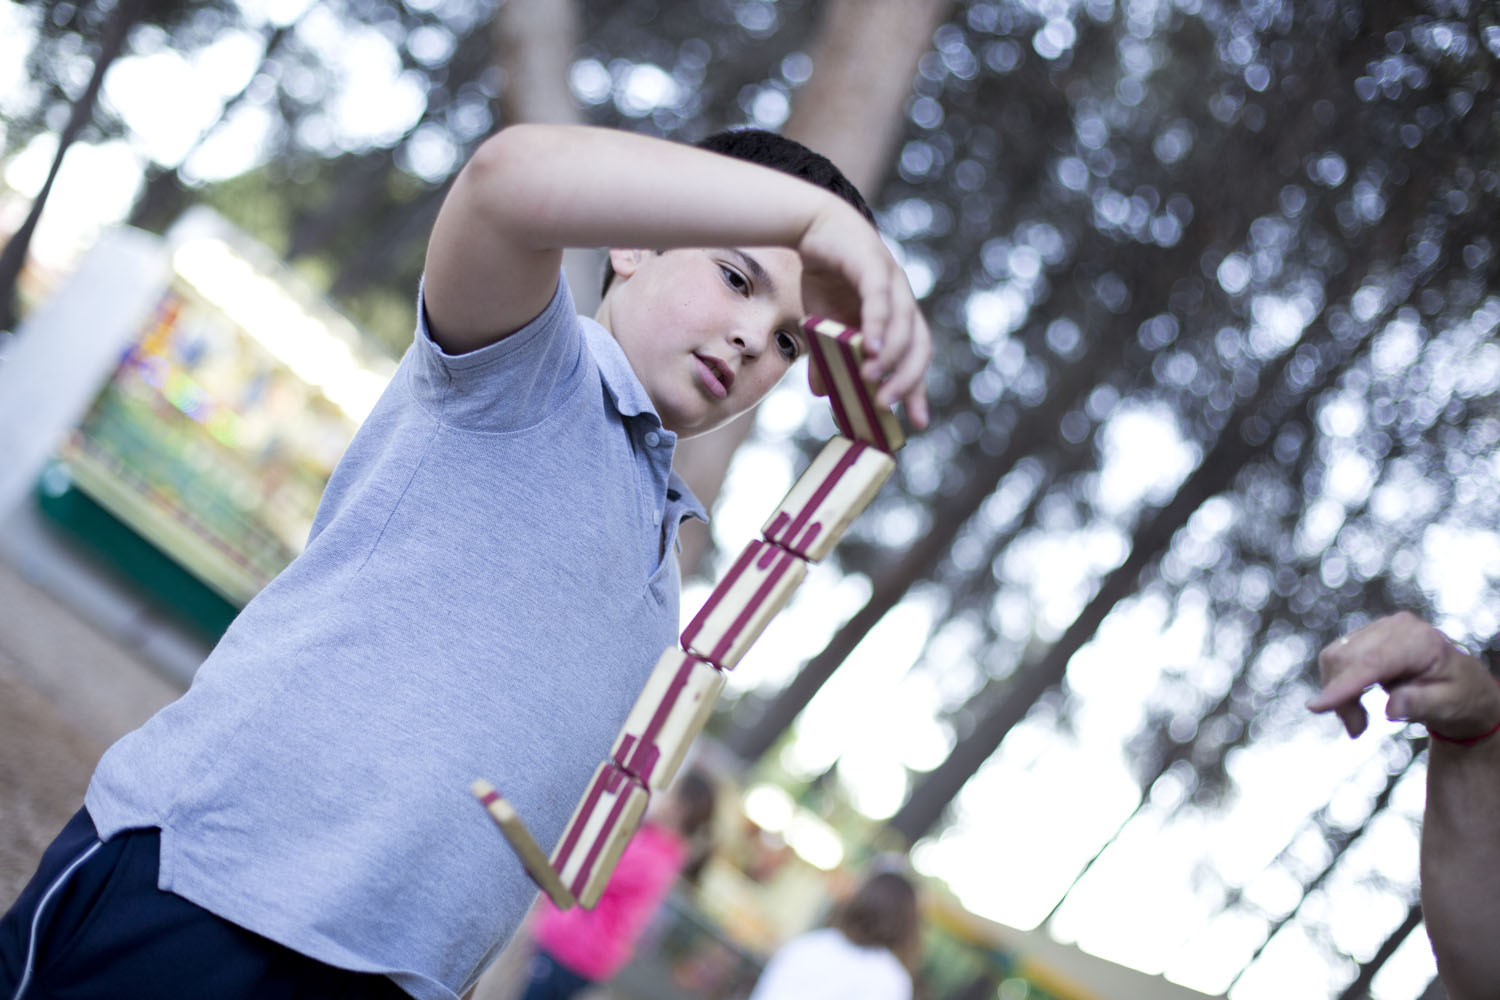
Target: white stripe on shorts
<point>36,918</point>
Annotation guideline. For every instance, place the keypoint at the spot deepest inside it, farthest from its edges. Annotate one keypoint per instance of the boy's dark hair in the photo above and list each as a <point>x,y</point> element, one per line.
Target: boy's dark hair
<point>882,914</point>
<point>767,149</point>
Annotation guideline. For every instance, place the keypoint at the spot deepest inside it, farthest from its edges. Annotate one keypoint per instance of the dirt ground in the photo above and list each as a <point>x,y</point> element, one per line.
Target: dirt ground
<point>66,693</point>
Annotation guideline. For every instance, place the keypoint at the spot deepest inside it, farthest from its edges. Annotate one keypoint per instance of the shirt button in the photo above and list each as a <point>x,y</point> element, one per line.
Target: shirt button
<point>652,439</point>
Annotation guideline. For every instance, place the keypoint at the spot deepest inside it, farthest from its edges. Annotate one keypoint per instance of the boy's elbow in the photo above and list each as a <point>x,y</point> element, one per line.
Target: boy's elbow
<point>519,151</point>
<point>493,166</point>
<point>504,171</point>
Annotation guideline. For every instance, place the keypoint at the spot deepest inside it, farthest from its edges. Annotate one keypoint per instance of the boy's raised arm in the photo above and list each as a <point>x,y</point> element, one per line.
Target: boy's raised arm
<point>532,190</point>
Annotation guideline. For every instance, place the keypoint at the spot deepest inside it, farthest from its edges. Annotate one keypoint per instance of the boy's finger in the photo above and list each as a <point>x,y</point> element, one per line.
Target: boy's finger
<point>916,406</point>
<point>874,319</point>
<point>899,340</point>
<point>906,378</point>
<point>881,367</point>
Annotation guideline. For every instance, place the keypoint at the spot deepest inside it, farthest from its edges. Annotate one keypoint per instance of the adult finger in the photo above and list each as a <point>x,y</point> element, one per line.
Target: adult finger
<point>1353,716</point>
<point>1414,702</point>
<point>1345,677</point>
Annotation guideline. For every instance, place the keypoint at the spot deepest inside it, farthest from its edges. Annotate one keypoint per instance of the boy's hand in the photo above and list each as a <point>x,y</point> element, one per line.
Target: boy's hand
<point>849,275</point>
<point>1430,680</point>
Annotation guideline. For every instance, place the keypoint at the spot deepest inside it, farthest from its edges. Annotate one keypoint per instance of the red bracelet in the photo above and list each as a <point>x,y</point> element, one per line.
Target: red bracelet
<point>1470,741</point>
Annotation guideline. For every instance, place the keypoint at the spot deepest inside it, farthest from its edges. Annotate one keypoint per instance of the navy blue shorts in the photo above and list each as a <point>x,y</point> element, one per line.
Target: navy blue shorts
<point>92,925</point>
<point>549,979</point>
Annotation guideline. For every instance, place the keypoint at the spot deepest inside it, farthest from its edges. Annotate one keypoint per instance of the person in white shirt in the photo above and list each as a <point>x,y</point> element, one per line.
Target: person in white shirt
<point>867,952</point>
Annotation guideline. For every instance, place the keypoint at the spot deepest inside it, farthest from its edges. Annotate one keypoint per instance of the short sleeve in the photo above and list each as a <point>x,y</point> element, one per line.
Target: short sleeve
<point>509,385</point>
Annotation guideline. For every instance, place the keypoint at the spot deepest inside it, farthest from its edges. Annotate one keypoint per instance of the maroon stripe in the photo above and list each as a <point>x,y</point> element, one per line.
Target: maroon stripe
<point>843,465</point>
<point>582,879</point>
<point>862,395</point>
<point>575,830</point>
<point>646,759</point>
<point>721,589</point>
<point>761,593</point>
<point>647,752</point>
<point>820,361</point>
<point>489,796</point>
<point>669,700</point>
<point>622,756</point>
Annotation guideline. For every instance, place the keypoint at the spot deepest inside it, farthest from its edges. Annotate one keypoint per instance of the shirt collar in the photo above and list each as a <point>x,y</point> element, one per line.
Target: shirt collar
<point>631,399</point>
<point>619,378</point>
<point>691,506</point>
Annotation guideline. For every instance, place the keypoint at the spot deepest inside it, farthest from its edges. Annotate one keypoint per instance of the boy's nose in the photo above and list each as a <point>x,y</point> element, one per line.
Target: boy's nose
<point>749,339</point>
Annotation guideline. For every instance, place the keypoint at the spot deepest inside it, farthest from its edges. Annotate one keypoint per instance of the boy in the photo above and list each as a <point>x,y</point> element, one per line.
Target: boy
<point>487,584</point>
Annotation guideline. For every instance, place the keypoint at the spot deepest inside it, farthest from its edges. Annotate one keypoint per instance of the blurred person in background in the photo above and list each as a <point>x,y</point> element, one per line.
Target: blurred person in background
<point>577,949</point>
<point>868,951</point>
<point>1455,695</point>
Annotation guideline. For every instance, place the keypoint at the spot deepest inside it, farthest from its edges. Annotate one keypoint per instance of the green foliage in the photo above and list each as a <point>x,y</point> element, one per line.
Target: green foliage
<point>257,202</point>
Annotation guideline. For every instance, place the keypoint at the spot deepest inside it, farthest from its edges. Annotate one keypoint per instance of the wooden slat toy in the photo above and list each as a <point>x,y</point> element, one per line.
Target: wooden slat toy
<point>679,695</point>
<point>533,858</point>
<point>667,717</point>
<point>825,500</point>
<point>602,824</point>
<point>836,352</point>
<point>756,587</point>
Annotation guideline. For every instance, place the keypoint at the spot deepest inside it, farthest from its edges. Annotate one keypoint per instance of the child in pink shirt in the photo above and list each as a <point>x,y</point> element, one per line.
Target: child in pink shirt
<point>578,948</point>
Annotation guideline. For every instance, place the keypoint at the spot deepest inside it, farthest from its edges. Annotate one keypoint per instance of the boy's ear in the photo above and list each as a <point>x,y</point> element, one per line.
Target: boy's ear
<point>625,260</point>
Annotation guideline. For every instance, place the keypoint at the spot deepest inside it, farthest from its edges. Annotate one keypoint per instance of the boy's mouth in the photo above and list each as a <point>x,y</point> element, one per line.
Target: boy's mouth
<point>715,374</point>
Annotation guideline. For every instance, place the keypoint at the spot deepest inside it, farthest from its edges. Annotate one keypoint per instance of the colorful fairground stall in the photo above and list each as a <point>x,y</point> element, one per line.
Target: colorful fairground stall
<point>195,470</point>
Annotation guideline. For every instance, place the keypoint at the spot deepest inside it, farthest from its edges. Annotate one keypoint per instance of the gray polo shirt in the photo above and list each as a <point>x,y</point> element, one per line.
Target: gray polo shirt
<point>483,596</point>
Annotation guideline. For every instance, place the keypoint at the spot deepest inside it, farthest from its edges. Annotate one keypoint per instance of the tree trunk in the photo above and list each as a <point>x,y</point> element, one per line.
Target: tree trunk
<point>851,112</point>
<point>534,42</point>
<point>1360,988</point>
<point>13,258</point>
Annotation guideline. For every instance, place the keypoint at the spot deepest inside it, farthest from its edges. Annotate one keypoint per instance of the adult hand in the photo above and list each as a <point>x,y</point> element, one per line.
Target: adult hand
<point>1429,679</point>
<point>849,275</point>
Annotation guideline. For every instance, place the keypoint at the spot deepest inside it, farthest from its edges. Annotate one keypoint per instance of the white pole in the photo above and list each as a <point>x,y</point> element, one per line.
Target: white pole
<point>68,347</point>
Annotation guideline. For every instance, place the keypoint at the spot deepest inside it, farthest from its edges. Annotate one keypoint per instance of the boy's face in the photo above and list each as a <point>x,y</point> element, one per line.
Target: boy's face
<point>708,331</point>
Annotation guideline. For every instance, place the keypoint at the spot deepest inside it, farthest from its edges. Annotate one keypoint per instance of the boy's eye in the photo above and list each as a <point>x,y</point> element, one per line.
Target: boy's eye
<point>735,279</point>
<point>787,345</point>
